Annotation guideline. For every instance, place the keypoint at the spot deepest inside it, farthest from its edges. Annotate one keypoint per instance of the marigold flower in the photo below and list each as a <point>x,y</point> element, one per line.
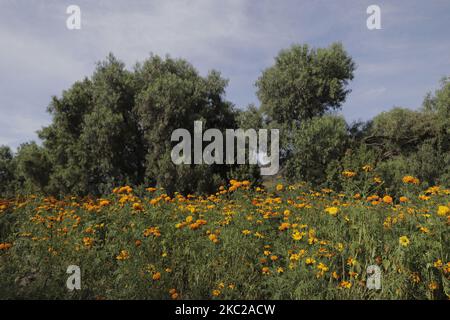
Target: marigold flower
<point>443,210</point>
<point>404,241</point>
<point>332,211</point>
<point>345,284</point>
<point>123,255</point>
<point>387,199</point>
<point>5,246</point>
<point>284,226</point>
<point>297,235</point>
<point>156,276</point>
<point>348,174</point>
<point>87,241</point>
<point>410,180</point>
<point>433,285</point>
<point>438,263</point>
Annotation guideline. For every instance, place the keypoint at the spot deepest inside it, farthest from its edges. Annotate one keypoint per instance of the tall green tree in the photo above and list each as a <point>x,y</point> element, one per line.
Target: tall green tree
<point>6,171</point>
<point>94,141</point>
<point>305,82</point>
<point>32,168</point>
<point>173,95</point>
<point>317,143</point>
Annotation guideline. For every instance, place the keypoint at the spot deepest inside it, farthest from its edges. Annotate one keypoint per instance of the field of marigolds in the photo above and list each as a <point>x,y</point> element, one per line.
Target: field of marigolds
<point>284,242</point>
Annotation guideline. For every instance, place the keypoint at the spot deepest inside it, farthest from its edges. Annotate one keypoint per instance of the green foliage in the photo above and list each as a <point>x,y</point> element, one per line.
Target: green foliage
<point>316,143</point>
<point>150,253</point>
<point>114,128</point>
<point>6,171</point>
<point>173,95</point>
<point>354,159</point>
<point>32,168</point>
<point>305,82</point>
<point>93,141</point>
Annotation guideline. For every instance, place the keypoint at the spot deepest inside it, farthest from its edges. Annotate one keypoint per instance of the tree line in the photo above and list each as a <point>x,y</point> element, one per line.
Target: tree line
<point>114,127</point>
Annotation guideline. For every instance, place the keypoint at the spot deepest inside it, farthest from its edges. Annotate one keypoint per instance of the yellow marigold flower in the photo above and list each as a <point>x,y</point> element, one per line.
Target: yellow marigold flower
<point>424,229</point>
<point>297,235</point>
<point>332,211</point>
<point>438,264</point>
<point>273,257</point>
<point>433,285</point>
<point>310,261</point>
<point>104,203</point>
<point>284,226</point>
<point>377,180</point>
<point>179,225</point>
<point>152,231</point>
<point>335,275</point>
<point>279,187</point>
<point>411,180</point>
<point>246,232</point>
<point>213,238</point>
<point>137,206</point>
<point>216,293</point>
<point>88,242</point>
<point>123,255</point>
<point>404,241</point>
<point>322,267</point>
<point>348,174</point>
<point>351,261</point>
<point>443,210</point>
<point>367,168</point>
<point>345,284</point>
<point>424,198</point>
<point>387,199</point>
<point>446,268</point>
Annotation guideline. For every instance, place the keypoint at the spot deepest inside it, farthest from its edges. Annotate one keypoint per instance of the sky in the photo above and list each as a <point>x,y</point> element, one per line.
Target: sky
<point>40,57</point>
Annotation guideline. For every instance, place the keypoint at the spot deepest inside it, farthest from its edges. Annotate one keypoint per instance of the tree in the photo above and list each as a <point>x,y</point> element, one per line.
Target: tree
<point>6,171</point>
<point>316,143</point>
<point>93,141</point>
<point>305,82</point>
<point>400,131</point>
<point>32,168</point>
<point>173,95</point>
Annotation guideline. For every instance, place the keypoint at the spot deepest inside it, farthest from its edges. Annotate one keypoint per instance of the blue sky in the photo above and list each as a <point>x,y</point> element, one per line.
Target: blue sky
<point>40,57</point>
